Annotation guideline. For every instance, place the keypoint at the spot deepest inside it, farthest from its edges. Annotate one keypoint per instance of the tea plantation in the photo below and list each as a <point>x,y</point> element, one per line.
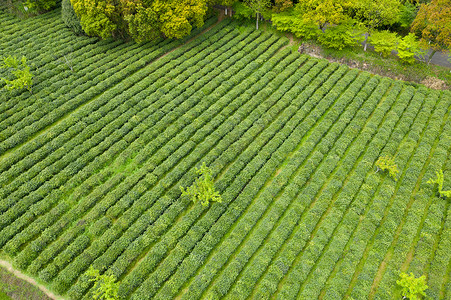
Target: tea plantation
<point>91,165</point>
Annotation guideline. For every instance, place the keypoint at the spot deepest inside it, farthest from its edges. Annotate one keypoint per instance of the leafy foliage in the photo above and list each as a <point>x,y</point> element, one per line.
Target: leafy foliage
<point>408,47</point>
<point>322,12</point>
<point>340,36</point>
<point>439,181</point>
<point>21,72</point>
<point>40,5</point>
<point>384,42</point>
<point>433,24</point>
<point>257,6</point>
<point>282,5</point>
<point>412,288</point>
<point>242,11</point>
<point>105,286</point>
<point>407,14</point>
<point>69,17</point>
<point>296,25</point>
<point>386,163</point>
<point>203,188</point>
<point>142,20</point>
<point>376,13</point>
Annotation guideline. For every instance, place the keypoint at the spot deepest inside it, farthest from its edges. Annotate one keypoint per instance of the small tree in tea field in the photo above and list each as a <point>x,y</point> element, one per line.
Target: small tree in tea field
<point>20,70</point>
<point>412,288</point>
<point>386,163</point>
<point>203,188</point>
<point>105,286</point>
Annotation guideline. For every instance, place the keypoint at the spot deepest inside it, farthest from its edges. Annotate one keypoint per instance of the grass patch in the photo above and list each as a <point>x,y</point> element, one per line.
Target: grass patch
<point>12,287</point>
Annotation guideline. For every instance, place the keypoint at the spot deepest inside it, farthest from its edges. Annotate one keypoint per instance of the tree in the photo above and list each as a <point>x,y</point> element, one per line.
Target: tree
<point>203,188</point>
<point>69,17</point>
<point>139,19</point>
<point>323,12</point>
<point>373,14</point>
<point>105,286</point>
<point>282,5</point>
<point>340,36</point>
<point>433,25</point>
<point>257,7</point>
<point>384,42</point>
<point>412,288</point>
<point>20,70</point>
<point>408,47</point>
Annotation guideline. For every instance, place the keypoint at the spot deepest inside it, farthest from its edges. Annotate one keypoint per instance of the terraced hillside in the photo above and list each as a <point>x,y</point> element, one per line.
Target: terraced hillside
<point>91,166</point>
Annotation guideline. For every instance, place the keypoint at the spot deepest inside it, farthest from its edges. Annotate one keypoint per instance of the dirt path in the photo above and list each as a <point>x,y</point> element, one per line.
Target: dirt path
<point>28,279</point>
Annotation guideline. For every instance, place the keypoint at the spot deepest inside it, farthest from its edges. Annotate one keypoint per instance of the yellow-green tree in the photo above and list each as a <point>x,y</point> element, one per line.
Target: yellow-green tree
<point>140,19</point>
<point>323,12</point>
<point>433,25</point>
<point>373,13</point>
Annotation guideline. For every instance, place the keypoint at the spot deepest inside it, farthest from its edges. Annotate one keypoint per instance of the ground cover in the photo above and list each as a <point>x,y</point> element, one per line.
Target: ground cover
<point>91,166</point>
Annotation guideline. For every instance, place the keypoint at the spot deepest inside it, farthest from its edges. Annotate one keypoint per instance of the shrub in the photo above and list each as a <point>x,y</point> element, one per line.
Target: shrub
<point>439,181</point>
<point>70,18</point>
<point>203,188</point>
<point>408,47</point>
<point>21,71</point>
<point>387,163</point>
<point>412,286</point>
<point>105,287</point>
<point>384,42</point>
<point>339,37</point>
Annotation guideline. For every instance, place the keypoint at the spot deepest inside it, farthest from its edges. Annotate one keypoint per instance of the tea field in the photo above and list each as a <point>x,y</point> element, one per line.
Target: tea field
<point>92,162</point>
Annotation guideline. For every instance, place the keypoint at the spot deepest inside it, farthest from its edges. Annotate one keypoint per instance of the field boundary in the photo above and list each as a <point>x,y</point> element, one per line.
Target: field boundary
<point>7,265</point>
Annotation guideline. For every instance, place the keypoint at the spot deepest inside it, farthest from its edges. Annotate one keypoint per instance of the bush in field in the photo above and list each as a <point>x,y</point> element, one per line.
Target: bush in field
<point>203,188</point>
<point>105,287</point>
<point>439,181</point>
<point>386,163</point>
<point>70,18</point>
<point>20,70</point>
<point>412,287</point>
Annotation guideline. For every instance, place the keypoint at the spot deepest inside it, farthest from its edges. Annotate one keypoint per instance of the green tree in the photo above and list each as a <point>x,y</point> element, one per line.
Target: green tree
<point>203,188</point>
<point>373,14</point>
<point>323,12</point>
<point>139,19</point>
<point>408,48</point>
<point>70,18</point>
<point>20,70</point>
<point>257,6</point>
<point>105,286</point>
<point>340,36</point>
<point>384,42</point>
<point>433,25</point>
<point>412,288</point>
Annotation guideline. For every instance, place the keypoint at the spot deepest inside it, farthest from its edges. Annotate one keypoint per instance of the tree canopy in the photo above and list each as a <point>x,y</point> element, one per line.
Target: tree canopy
<point>140,19</point>
<point>433,24</point>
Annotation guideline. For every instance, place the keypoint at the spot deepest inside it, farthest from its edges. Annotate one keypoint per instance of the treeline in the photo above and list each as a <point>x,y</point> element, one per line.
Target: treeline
<point>407,26</point>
